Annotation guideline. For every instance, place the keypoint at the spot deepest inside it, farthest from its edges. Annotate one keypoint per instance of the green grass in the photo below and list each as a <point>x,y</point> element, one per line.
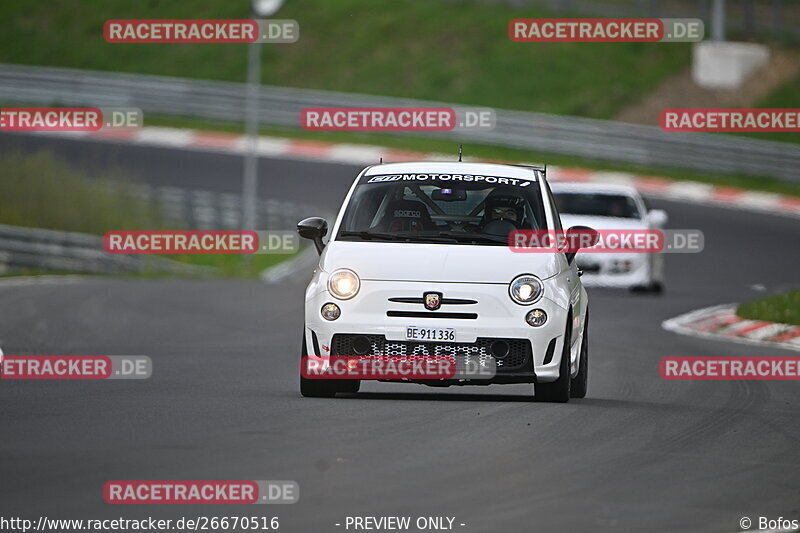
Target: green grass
<point>783,308</point>
<point>449,51</point>
<point>785,97</point>
<point>41,191</point>
<point>227,266</point>
<point>233,265</point>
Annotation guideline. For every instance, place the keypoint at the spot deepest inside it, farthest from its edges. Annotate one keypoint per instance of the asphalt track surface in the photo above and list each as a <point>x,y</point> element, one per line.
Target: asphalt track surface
<point>638,454</point>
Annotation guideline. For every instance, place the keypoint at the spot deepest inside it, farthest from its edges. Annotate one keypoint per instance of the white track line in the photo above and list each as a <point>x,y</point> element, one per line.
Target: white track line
<point>25,281</point>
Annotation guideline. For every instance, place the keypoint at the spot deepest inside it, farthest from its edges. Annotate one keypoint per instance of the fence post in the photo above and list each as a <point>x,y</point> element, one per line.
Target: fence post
<point>718,21</point>
<point>749,18</point>
<point>777,18</point>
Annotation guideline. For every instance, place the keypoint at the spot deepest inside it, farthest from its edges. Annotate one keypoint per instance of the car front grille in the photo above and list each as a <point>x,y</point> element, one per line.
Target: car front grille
<point>518,357</point>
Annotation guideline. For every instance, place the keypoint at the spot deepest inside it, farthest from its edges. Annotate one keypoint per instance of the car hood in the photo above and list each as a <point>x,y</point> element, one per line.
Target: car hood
<point>604,223</point>
<point>437,262</point>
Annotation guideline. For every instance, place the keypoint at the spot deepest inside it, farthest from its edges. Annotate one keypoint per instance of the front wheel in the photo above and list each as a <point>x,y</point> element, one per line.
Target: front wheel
<point>580,382</point>
<point>656,287</point>
<point>653,287</point>
<point>559,390</point>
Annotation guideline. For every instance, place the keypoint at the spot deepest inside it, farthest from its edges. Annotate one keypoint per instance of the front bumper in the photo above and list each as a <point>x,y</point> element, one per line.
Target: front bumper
<point>534,354</point>
<point>614,270</point>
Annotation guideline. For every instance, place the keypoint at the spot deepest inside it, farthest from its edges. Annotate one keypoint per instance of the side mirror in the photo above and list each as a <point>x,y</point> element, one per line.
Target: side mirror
<point>580,237</point>
<point>657,217</point>
<point>314,228</point>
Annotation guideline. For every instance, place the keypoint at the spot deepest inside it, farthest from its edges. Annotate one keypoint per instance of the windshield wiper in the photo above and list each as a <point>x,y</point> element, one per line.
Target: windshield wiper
<point>472,237</point>
<point>441,237</point>
<point>368,235</point>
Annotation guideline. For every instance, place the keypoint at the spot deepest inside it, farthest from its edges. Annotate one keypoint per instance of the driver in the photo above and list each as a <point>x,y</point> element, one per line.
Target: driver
<point>503,205</point>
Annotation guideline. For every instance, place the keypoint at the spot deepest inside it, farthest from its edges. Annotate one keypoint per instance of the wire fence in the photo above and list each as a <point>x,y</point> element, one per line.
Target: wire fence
<point>50,250</point>
<point>197,209</point>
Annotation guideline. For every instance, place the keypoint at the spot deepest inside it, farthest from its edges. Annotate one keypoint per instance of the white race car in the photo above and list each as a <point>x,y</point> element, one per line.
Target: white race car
<point>418,264</point>
<point>613,207</point>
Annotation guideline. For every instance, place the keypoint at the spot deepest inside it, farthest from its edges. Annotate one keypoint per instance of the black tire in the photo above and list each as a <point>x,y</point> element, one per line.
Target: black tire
<point>325,388</point>
<point>558,390</point>
<point>580,382</point>
<point>656,287</point>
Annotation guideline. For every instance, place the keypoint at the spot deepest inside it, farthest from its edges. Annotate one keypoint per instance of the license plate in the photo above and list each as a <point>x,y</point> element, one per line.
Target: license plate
<point>430,334</point>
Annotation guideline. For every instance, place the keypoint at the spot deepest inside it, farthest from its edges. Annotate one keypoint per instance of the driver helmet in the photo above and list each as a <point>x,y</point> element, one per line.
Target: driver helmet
<point>504,204</point>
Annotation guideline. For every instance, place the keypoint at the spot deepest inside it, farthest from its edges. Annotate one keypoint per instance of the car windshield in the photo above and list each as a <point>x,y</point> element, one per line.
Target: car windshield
<point>442,208</point>
<point>596,204</point>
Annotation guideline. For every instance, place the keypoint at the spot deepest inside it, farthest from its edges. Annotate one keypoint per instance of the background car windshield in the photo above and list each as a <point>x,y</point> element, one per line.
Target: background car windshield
<point>440,211</point>
<point>599,205</point>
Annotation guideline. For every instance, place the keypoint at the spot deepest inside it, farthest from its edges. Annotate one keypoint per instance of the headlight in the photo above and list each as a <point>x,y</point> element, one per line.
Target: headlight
<point>526,289</point>
<point>344,284</point>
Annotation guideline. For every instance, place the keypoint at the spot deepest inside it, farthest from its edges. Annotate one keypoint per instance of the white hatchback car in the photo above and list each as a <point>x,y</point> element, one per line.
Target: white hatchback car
<point>605,206</point>
<point>420,251</point>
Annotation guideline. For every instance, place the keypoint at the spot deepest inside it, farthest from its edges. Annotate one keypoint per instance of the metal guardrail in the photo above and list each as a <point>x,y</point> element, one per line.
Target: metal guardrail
<point>45,249</point>
<point>590,138</point>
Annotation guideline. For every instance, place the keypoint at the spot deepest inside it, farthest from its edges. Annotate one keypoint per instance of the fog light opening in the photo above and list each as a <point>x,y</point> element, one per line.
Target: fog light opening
<point>500,349</point>
<point>330,311</point>
<point>361,345</point>
<point>536,318</point>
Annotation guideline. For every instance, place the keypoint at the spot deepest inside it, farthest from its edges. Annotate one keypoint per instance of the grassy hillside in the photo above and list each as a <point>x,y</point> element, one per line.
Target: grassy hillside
<point>787,96</point>
<point>454,52</point>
